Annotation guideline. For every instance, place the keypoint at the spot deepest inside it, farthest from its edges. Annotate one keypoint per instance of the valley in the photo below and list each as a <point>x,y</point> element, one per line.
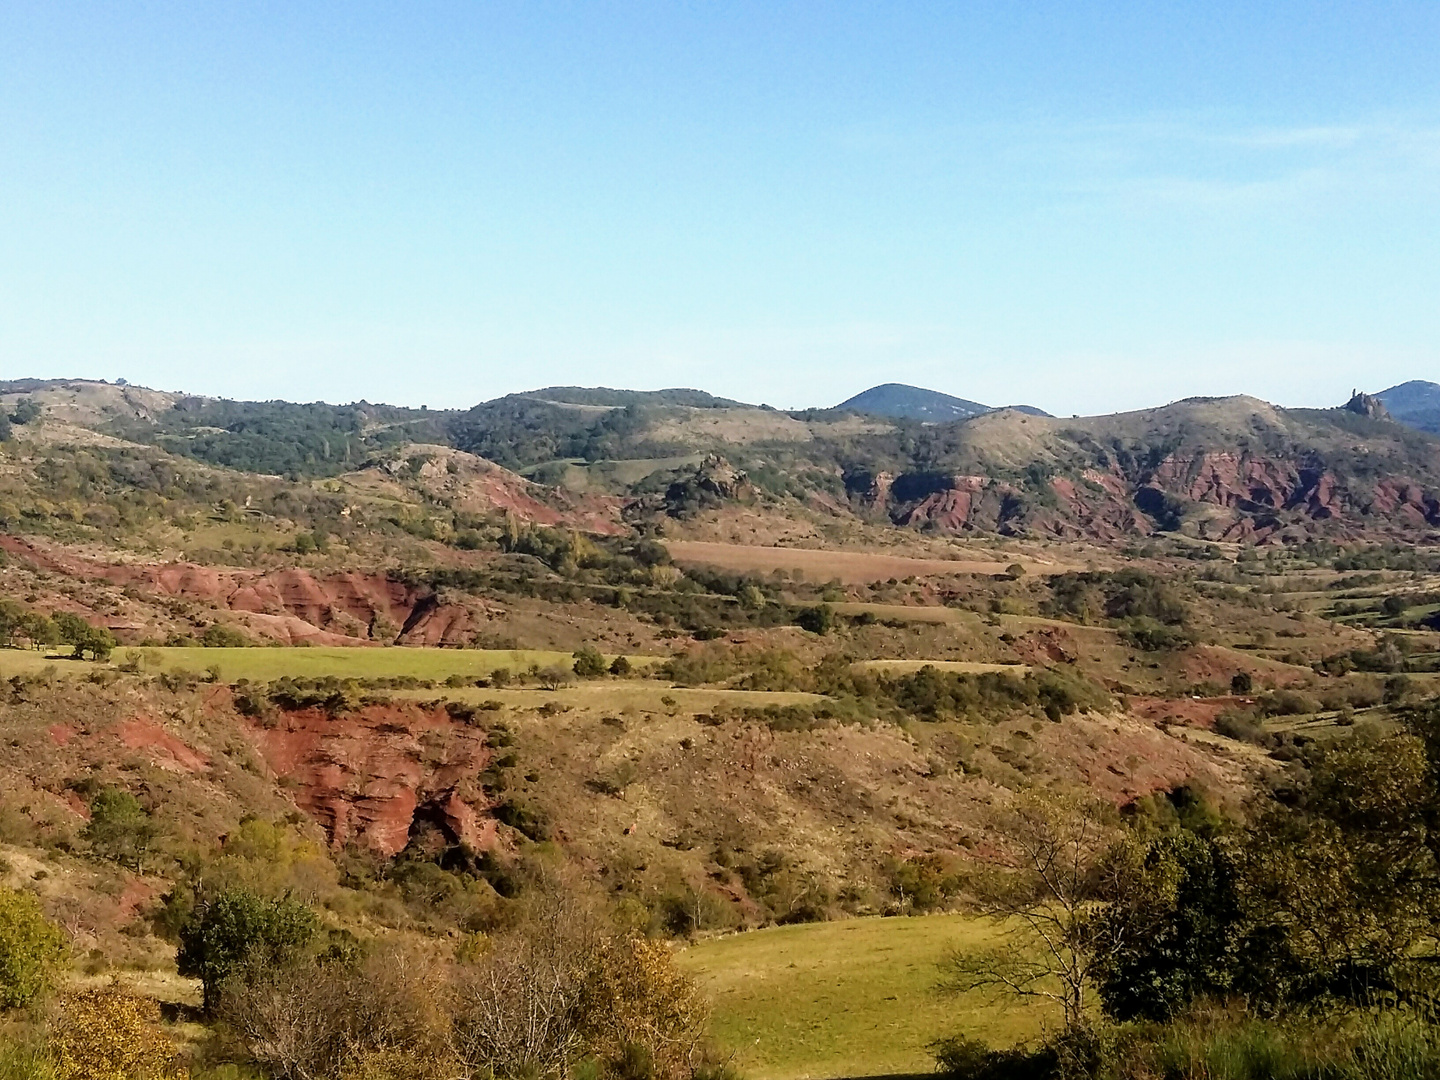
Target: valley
<point>766,688</point>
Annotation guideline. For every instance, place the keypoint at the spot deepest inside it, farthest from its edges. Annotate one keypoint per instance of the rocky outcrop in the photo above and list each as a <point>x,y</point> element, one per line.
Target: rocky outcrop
<point>292,605</point>
<point>477,485</point>
<point>1366,405</point>
<point>377,776</point>
<point>1216,495</point>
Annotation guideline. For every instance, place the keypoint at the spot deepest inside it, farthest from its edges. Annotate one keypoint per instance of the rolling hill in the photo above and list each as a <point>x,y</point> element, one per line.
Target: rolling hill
<point>1416,403</point>
<point>901,402</point>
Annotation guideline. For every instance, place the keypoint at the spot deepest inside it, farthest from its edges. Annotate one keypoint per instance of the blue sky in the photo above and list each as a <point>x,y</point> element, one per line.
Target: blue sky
<point>1086,207</point>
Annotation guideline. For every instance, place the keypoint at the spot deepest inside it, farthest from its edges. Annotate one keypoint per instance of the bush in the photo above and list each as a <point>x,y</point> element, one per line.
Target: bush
<point>553,678</point>
<point>119,828</point>
<point>621,667</point>
<point>377,1012</point>
<point>31,949</point>
<point>589,664</point>
<point>221,636</point>
<point>1242,727</point>
<point>238,927</point>
<point>110,1032</point>
<point>959,1058</point>
<point>818,620</point>
<point>1241,683</point>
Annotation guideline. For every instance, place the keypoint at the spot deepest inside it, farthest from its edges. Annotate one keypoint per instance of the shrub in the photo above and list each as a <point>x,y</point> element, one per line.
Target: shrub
<point>31,949</point>
<point>818,620</point>
<point>589,664</point>
<point>1287,703</point>
<point>620,667</point>
<point>119,828</point>
<point>110,1032</point>
<point>374,1013</point>
<point>1243,727</point>
<point>239,927</point>
<point>1241,683</point>
<point>640,1010</point>
<point>552,678</point>
<point>222,636</point>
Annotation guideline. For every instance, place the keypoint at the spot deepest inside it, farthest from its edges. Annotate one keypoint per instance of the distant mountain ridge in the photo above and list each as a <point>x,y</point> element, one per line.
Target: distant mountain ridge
<point>1415,403</point>
<point>904,402</point>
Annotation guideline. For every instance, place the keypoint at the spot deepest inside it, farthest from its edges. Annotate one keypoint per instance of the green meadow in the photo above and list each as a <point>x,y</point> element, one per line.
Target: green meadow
<point>852,998</point>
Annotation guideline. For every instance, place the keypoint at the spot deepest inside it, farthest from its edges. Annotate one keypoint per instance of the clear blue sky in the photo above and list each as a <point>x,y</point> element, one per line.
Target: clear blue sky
<point>1086,207</point>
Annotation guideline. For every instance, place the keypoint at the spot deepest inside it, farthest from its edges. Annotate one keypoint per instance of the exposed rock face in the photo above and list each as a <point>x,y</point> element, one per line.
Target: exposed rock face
<point>713,483</point>
<point>291,605</point>
<point>375,776</point>
<point>720,478</point>
<point>478,485</point>
<point>1366,405</point>
<point>1216,495</point>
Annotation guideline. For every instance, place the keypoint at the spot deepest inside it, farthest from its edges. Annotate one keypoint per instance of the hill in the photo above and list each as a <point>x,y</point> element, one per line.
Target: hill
<point>912,403</point>
<point>1416,403</point>
<point>901,402</point>
<point>1214,468</point>
<point>753,668</point>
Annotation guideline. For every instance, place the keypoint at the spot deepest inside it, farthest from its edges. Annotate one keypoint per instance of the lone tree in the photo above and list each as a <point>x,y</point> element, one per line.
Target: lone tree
<point>96,641</point>
<point>119,827</point>
<point>237,928</point>
<point>589,664</point>
<point>1046,890</point>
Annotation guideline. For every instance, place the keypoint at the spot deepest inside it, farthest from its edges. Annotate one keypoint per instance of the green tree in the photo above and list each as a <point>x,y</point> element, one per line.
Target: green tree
<point>1340,882</point>
<point>589,664</point>
<point>238,927</point>
<point>119,827</point>
<point>31,949</point>
<point>97,641</point>
<point>1170,935</point>
<point>818,620</point>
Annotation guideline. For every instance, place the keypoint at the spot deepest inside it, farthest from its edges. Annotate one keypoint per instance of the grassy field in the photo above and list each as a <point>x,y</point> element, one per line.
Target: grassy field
<point>28,662</point>
<point>262,664</point>
<point>847,999</point>
<point>619,695</point>
<point>851,567</point>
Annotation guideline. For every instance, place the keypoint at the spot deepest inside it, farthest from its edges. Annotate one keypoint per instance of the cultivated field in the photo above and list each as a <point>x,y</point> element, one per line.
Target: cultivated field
<point>264,664</point>
<point>847,999</point>
<point>622,695</point>
<point>850,567</point>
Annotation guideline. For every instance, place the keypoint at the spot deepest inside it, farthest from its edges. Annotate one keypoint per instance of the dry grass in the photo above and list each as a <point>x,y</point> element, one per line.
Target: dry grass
<point>963,667</point>
<point>850,567</point>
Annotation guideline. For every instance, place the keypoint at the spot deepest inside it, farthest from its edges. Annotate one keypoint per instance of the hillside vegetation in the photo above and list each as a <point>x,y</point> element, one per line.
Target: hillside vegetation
<point>719,739</point>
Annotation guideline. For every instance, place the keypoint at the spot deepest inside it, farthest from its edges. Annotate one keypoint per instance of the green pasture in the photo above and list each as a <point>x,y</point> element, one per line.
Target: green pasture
<point>264,664</point>
<point>619,695</point>
<point>848,999</point>
<point>29,662</point>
